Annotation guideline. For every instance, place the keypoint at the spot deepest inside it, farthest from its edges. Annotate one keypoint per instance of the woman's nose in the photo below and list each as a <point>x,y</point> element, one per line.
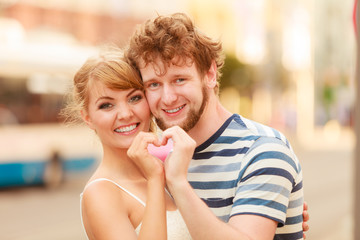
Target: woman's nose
<point>124,112</point>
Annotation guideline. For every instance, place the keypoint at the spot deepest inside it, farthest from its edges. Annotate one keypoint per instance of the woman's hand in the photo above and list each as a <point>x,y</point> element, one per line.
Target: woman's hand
<point>154,218</point>
<point>149,165</point>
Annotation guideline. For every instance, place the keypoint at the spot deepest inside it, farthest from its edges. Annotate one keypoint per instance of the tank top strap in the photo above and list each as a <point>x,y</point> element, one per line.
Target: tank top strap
<point>119,186</point>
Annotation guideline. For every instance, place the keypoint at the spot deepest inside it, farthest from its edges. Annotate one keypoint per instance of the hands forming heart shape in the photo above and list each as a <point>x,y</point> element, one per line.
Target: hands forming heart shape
<point>162,151</point>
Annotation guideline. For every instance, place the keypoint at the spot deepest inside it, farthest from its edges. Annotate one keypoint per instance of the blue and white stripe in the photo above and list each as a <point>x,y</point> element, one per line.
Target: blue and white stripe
<point>249,168</point>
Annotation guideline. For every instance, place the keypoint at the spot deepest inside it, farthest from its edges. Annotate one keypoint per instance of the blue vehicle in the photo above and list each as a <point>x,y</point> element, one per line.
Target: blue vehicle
<point>45,154</point>
<point>36,68</point>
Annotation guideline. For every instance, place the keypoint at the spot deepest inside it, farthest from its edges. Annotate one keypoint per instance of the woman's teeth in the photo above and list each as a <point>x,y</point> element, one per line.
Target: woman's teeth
<point>126,129</point>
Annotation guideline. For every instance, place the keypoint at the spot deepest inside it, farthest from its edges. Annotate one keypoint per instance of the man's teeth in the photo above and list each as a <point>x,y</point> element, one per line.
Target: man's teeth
<point>126,129</point>
<point>174,110</point>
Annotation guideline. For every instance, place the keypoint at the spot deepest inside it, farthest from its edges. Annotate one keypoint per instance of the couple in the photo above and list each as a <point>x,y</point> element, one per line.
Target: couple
<point>228,177</point>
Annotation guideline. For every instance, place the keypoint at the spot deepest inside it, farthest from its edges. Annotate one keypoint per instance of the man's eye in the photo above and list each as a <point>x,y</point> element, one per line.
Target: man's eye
<point>105,106</point>
<point>153,85</point>
<point>135,98</point>
<point>180,80</point>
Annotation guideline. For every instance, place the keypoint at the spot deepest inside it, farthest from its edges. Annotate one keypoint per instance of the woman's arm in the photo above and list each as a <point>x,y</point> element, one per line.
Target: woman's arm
<point>105,212</point>
<point>154,219</point>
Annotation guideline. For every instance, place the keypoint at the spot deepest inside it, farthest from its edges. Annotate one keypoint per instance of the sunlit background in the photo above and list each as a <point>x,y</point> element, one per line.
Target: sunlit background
<point>289,64</point>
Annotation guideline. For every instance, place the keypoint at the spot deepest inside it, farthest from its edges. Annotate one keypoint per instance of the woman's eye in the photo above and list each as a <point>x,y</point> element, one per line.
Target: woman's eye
<point>105,106</point>
<point>135,98</point>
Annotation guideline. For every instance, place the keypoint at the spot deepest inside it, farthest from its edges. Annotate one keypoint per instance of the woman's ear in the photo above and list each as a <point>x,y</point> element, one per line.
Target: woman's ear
<point>86,118</point>
<point>210,76</point>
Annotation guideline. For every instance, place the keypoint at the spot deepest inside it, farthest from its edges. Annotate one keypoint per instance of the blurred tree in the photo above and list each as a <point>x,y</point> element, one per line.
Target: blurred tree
<point>238,75</point>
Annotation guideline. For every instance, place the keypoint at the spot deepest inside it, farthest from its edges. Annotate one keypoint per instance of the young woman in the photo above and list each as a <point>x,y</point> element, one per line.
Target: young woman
<point>125,198</point>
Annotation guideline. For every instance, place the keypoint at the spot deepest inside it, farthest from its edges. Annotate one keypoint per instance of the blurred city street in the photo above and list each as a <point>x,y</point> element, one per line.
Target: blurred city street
<point>36,213</point>
<point>328,188</point>
<point>283,68</point>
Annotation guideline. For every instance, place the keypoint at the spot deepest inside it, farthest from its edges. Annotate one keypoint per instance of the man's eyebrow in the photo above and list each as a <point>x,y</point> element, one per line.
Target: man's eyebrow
<point>171,76</point>
<point>182,75</point>
<point>149,80</point>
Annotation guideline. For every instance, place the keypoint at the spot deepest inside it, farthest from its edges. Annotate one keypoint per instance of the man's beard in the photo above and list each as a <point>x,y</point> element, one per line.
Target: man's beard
<point>192,117</point>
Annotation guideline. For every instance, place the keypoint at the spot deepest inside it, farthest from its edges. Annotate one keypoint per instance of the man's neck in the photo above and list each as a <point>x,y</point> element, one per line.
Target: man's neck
<point>211,120</point>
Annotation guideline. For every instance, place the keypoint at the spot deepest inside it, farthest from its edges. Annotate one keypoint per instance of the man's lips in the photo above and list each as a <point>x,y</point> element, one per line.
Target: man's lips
<point>126,129</point>
<point>174,110</point>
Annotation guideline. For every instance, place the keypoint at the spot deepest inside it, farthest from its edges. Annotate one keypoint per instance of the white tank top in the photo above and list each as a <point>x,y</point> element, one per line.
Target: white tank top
<point>176,227</point>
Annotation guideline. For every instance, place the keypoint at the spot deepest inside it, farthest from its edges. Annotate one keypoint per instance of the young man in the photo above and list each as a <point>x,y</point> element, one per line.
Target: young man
<point>244,180</point>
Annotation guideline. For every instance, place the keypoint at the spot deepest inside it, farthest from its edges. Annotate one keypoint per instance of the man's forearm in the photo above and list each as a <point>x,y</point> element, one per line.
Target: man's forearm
<point>200,220</point>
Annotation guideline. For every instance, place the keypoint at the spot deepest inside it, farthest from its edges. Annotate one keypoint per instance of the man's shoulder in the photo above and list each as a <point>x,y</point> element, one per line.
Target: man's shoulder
<point>253,128</point>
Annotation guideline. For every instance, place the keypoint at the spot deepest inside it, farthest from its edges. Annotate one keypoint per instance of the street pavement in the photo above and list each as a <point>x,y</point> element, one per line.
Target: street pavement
<point>37,213</point>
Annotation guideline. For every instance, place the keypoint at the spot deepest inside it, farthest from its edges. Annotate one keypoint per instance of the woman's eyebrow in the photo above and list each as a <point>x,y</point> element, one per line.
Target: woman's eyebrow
<point>131,92</point>
<point>104,97</point>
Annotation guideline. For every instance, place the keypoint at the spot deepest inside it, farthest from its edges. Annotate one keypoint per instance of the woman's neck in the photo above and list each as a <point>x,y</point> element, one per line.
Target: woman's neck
<point>117,165</point>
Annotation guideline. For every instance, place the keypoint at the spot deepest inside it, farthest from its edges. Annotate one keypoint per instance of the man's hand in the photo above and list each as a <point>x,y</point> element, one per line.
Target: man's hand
<point>306,218</point>
<point>177,163</point>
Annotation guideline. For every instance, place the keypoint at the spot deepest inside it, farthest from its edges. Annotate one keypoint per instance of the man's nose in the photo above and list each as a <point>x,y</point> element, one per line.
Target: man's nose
<point>169,94</point>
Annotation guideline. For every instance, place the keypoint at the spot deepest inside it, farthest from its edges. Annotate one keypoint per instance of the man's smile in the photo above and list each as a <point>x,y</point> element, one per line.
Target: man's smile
<point>175,110</point>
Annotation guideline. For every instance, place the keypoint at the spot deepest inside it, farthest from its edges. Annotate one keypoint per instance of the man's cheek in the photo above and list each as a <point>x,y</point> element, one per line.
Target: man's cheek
<point>151,101</point>
<point>153,109</point>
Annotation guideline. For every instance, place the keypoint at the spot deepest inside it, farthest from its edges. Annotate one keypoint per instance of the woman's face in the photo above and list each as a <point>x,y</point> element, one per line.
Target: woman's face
<point>117,116</point>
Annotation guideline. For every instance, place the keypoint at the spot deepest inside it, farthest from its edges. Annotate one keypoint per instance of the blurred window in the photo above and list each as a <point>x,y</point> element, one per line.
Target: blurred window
<point>19,104</point>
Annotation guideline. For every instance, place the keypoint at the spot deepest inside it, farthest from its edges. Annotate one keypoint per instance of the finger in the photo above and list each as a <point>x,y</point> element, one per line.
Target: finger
<point>305,206</point>
<point>168,134</point>
<point>177,134</point>
<point>140,144</point>
<point>306,216</point>
<point>305,226</point>
<point>144,139</point>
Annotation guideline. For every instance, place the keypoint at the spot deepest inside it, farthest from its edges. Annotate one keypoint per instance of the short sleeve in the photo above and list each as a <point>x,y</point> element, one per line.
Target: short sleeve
<point>268,175</point>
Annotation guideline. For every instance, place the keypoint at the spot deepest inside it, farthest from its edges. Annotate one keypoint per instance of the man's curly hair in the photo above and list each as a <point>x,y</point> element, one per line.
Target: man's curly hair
<point>174,39</point>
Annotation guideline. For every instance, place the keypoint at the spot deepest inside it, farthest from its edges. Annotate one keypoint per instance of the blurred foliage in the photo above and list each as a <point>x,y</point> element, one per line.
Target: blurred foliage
<point>238,75</point>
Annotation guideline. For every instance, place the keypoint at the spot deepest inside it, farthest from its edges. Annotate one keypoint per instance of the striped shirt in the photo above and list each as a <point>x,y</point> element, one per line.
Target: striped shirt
<point>249,168</point>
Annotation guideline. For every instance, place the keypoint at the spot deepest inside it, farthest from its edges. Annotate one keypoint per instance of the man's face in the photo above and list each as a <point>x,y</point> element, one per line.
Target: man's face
<point>176,98</point>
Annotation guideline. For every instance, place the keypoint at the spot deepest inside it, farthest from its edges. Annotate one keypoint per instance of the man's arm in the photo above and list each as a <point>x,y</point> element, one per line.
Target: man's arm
<point>200,220</point>
<point>203,224</point>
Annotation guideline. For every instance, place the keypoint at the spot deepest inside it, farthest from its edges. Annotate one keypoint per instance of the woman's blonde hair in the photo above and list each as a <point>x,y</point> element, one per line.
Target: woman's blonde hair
<point>111,68</point>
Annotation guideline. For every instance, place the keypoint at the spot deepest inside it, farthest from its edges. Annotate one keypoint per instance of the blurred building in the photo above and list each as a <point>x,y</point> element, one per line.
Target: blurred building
<point>302,54</point>
<point>288,51</point>
<point>43,43</point>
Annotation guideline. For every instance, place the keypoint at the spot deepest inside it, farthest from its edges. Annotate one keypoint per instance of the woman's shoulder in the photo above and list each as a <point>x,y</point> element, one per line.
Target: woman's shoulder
<point>100,199</point>
<point>104,189</point>
<point>101,191</point>
<point>104,205</point>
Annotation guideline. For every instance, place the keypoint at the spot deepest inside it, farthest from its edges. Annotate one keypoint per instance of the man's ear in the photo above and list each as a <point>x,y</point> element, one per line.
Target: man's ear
<point>86,118</point>
<point>210,76</point>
